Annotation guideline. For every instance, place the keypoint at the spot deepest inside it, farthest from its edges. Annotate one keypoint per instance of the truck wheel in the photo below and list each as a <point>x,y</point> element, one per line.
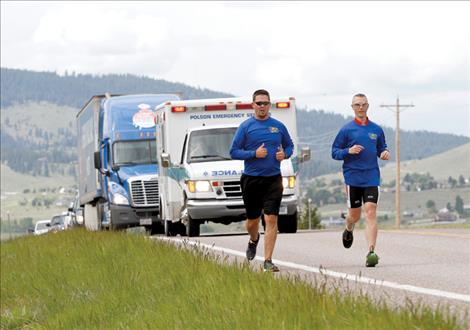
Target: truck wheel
<point>193,227</point>
<point>287,223</point>
<point>156,228</point>
<point>170,228</point>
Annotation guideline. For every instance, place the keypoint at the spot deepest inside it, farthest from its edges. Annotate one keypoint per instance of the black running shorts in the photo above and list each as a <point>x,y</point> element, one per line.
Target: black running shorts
<point>261,193</point>
<point>358,195</point>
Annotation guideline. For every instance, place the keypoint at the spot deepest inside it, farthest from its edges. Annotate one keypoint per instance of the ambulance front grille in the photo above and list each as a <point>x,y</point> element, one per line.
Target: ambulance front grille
<point>232,189</point>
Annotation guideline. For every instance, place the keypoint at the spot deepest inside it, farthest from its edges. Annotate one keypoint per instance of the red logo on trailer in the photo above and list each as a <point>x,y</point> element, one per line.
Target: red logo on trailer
<point>144,118</point>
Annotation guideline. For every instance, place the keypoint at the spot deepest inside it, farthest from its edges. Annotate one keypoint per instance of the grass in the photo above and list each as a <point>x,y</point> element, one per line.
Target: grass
<point>108,280</point>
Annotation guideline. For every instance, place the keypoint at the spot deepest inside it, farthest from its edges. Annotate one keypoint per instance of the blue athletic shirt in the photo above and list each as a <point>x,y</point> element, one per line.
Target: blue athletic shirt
<point>360,170</point>
<point>251,134</point>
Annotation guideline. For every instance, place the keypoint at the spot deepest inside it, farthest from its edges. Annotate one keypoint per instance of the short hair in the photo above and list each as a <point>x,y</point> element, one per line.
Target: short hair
<point>261,92</point>
<point>360,95</point>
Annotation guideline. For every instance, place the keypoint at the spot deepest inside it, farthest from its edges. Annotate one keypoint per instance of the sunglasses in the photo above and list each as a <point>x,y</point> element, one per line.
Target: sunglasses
<point>261,104</point>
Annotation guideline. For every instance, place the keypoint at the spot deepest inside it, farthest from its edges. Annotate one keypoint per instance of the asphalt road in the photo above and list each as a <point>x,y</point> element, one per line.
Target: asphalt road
<point>429,266</point>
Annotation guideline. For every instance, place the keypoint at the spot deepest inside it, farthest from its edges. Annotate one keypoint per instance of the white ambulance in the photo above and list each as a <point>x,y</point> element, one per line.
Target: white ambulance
<point>198,181</point>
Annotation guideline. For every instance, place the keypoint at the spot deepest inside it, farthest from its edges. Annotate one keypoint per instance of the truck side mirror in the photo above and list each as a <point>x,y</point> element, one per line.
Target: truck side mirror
<point>97,160</point>
<point>165,159</point>
<point>305,154</point>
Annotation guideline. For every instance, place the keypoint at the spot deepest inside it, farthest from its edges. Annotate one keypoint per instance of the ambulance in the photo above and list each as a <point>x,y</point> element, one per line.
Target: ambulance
<point>198,180</point>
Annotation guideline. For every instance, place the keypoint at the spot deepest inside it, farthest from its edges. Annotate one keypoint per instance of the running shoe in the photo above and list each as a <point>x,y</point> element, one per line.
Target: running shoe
<point>251,249</point>
<point>348,238</point>
<point>372,259</point>
<point>270,267</point>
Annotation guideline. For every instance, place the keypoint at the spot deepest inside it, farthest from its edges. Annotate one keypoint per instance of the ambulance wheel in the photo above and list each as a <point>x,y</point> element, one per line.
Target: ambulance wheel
<point>193,227</point>
<point>287,223</point>
<point>170,229</point>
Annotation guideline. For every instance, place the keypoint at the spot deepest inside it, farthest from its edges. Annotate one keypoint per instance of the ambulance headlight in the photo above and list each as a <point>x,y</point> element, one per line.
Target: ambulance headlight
<point>288,182</point>
<point>199,186</point>
<point>119,199</point>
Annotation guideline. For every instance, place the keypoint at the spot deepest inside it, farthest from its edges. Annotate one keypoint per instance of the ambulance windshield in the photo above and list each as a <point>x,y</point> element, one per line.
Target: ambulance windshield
<point>210,145</point>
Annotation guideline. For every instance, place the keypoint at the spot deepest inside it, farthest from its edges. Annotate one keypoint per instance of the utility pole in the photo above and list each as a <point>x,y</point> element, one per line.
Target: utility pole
<point>397,154</point>
<point>309,215</point>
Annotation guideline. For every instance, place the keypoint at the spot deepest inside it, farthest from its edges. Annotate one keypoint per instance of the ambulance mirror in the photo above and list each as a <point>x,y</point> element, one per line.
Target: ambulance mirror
<point>165,160</point>
<point>305,154</point>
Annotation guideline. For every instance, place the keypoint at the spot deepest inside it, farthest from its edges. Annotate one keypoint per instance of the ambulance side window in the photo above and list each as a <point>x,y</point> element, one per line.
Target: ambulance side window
<point>184,148</point>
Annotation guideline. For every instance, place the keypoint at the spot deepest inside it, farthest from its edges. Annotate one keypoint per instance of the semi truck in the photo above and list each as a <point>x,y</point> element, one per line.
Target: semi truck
<point>198,180</point>
<point>117,164</point>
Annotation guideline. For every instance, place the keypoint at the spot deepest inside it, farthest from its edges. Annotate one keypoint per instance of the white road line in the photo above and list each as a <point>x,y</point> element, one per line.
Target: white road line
<point>322,271</point>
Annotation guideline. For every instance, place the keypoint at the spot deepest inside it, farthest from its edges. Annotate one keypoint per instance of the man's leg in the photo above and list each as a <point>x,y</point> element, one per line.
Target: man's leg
<point>354,215</point>
<point>270,235</point>
<point>252,227</point>
<point>371,224</point>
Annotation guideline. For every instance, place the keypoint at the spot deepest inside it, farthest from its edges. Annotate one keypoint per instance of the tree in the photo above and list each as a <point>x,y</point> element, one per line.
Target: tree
<point>452,182</point>
<point>312,212</point>
<point>431,205</point>
<point>449,206</point>
<point>461,180</point>
<point>459,204</point>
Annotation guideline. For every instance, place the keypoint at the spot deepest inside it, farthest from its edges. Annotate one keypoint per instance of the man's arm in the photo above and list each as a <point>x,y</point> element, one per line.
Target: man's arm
<point>339,149</point>
<point>287,143</point>
<point>237,150</point>
<point>382,151</point>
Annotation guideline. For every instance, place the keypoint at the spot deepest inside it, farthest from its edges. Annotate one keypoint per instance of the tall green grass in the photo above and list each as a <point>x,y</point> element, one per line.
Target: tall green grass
<point>108,280</point>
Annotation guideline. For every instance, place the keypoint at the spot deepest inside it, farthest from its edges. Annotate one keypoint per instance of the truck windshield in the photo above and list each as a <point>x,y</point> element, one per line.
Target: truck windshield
<point>135,152</point>
<point>210,145</point>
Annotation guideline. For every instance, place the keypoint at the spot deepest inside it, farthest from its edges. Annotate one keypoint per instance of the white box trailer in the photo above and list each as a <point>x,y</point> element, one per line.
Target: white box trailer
<point>198,180</point>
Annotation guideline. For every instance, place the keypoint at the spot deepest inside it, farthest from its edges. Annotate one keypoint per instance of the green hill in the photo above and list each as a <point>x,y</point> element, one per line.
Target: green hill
<point>453,163</point>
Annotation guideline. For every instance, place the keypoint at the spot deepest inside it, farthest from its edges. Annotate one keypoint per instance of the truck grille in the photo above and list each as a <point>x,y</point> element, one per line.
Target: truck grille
<point>232,189</point>
<point>144,192</point>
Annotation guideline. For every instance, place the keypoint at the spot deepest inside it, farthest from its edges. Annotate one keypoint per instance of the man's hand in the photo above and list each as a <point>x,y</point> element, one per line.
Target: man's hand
<point>385,155</point>
<point>261,152</point>
<point>280,155</point>
<point>355,149</point>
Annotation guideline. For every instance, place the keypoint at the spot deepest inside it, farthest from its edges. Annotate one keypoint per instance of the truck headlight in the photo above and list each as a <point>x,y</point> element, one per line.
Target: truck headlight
<point>288,182</point>
<point>119,199</point>
<point>198,186</point>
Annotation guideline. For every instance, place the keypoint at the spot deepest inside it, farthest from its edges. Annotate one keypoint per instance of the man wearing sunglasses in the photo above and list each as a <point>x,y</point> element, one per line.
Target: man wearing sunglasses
<point>358,144</point>
<point>262,142</point>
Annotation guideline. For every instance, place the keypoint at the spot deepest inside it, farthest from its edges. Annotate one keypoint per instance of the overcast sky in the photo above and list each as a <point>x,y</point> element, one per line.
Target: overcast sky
<point>320,52</point>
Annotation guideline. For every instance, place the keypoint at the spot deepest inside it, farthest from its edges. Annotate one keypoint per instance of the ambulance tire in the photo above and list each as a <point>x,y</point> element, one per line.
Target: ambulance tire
<point>287,223</point>
<point>193,227</point>
<point>170,228</point>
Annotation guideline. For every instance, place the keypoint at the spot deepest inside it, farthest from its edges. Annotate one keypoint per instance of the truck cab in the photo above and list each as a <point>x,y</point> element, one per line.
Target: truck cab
<point>118,184</point>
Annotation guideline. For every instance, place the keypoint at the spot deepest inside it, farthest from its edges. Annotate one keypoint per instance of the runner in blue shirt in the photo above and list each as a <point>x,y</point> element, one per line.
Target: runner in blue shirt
<point>358,144</point>
<point>262,142</point>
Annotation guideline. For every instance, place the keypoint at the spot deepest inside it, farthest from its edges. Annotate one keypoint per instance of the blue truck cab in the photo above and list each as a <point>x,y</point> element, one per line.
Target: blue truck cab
<point>118,173</point>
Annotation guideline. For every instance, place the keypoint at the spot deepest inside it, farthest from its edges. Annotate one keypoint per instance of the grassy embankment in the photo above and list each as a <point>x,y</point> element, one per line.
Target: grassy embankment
<point>106,280</point>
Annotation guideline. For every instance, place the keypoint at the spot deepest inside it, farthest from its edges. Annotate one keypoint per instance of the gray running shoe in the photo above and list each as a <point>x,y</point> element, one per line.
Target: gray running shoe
<point>251,249</point>
<point>270,267</point>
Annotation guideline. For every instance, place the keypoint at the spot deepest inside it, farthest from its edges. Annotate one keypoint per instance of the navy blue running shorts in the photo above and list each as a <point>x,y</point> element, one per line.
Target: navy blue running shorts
<point>355,196</point>
<point>261,194</point>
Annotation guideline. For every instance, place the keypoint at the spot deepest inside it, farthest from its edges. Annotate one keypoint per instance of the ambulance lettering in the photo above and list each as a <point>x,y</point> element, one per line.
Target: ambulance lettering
<point>225,172</point>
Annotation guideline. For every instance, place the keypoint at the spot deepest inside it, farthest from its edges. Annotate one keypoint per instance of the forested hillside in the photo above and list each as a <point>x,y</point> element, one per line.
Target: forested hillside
<point>20,86</point>
<point>38,109</point>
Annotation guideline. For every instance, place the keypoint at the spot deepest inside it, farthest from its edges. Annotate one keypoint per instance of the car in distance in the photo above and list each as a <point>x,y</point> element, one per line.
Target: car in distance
<point>42,227</point>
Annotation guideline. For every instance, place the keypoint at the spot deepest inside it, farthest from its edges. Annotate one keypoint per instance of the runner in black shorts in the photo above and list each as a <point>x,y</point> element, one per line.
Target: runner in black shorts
<point>262,142</point>
<point>261,194</point>
<point>358,144</point>
<point>357,195</point>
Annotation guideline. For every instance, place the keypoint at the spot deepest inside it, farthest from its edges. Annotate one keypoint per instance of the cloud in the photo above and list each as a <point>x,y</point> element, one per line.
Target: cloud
<point>320,52</point>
